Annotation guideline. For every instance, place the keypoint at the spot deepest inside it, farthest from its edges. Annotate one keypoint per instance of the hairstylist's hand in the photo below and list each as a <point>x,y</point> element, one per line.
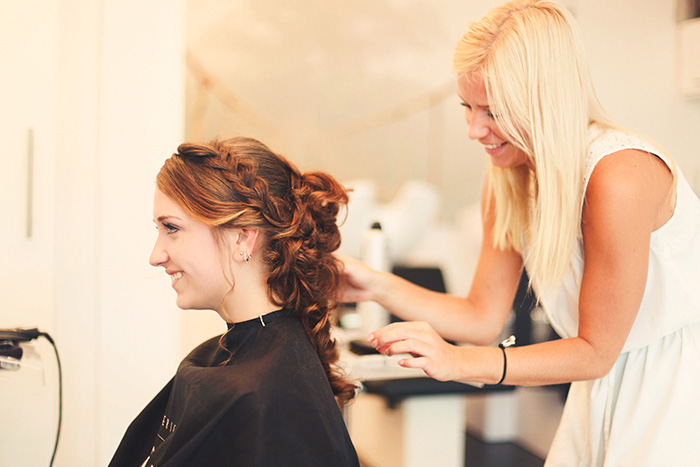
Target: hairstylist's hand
<point>357,280</point>
<point>428,351</point>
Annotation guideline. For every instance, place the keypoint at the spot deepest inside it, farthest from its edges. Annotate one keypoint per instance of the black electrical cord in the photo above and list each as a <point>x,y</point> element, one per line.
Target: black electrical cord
<point>25,335</point>
<point>60,395</point>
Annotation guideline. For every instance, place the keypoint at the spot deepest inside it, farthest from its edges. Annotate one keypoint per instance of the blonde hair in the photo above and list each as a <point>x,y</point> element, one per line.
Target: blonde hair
<point>530,57</point>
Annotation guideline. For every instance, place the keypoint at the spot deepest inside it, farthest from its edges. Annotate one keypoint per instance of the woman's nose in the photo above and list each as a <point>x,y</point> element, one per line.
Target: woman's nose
<point>478,126</point>
<point>158,256</point>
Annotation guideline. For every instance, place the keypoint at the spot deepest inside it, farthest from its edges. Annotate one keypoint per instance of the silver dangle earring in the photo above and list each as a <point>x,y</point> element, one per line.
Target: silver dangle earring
<point>247,256</point>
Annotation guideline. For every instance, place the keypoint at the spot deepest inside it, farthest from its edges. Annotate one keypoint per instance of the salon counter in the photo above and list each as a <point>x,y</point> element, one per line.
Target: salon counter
<point>402,418</point>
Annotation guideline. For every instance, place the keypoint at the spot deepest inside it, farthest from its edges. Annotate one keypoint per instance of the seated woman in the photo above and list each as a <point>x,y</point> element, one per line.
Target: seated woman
<point>241,231</point>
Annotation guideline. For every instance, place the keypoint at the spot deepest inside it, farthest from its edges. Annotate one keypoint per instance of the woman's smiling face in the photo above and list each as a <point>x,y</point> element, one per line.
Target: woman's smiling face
<point>482,124</point>
<point>190,255</point>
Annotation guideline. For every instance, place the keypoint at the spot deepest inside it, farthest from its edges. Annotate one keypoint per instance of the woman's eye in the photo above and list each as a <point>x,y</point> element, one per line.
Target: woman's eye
<point>464,104</point>
<point>171,228</point>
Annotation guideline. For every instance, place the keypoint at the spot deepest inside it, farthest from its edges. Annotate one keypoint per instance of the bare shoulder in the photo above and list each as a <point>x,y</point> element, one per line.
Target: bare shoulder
<point>630,185</point>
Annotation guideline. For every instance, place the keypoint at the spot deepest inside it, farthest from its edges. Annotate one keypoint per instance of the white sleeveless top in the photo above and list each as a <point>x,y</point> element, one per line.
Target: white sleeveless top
<point>646,410</point>
<point>672,294</point>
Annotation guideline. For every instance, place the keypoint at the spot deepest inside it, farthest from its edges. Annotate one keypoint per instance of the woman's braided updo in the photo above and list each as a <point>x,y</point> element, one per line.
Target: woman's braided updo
<point>241,183</point>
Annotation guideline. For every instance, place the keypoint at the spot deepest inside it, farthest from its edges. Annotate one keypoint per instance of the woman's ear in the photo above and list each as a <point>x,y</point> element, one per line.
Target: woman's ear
<point>245,244</point>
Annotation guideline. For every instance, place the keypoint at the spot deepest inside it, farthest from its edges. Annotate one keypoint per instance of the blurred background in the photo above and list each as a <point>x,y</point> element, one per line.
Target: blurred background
<point>97,93</point>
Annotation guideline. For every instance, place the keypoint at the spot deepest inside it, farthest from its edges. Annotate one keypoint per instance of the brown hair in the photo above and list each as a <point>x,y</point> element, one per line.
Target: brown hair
<point>241,183</point>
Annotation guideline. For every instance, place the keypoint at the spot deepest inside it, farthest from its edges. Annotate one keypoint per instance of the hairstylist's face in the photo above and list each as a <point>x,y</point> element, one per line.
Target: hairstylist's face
<point>482,125</point>
<point>191,257</point>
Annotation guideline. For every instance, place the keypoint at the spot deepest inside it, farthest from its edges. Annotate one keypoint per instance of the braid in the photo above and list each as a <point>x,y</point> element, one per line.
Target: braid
<point>305,272</point>
<point>241,183</point>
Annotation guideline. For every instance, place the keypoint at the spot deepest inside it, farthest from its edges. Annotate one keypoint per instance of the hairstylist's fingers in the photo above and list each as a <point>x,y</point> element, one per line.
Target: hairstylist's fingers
<point>431,368</point>
<point>400,331</point>
<point>436,368</point>
<point>356,280</point>
<point>414,362</point>
<point>427,350</point>
<point>428,366</point>
<point>414,347</point>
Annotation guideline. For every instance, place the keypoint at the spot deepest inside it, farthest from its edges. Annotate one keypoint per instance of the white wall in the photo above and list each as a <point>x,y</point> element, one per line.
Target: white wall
<point>631,47</point>
<point>121,107</point>
<point>109,79</point>
<point>78,207</point>
<point>303,76</point>
<point>141,124</point>
<point>27,284</point>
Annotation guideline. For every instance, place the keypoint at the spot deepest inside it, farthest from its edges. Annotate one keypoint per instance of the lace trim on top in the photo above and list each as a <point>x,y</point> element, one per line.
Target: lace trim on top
<point>603,142</point>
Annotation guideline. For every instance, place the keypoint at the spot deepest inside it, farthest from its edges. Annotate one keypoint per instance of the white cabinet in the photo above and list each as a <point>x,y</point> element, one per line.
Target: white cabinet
<point>99,84</point>
<point>28,31</point>
<point>689,57</point>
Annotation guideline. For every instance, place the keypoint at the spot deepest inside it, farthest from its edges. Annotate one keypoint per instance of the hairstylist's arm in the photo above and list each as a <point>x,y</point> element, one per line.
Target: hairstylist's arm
<point>627,198</point>
<point>478,318</point>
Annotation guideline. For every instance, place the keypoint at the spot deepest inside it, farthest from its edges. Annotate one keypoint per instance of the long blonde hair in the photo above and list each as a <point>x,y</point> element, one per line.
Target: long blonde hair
<point>530,57</point>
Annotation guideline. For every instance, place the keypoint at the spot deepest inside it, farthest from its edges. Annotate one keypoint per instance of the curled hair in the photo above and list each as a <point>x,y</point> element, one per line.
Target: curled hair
<point>241,183</point>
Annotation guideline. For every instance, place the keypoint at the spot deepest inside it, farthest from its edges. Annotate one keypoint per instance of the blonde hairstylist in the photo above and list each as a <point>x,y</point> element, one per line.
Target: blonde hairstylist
<point>609,231</point>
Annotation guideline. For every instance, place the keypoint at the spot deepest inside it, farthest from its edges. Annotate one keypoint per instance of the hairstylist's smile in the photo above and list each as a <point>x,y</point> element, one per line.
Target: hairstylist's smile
<point>493,149</point>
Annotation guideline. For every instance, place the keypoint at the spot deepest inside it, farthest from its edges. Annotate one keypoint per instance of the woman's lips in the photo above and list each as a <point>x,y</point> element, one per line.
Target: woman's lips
<point>174,277</point>
<point>494,148</point>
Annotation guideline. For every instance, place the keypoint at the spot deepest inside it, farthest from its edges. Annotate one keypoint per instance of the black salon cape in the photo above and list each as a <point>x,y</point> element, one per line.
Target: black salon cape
<point>270,405</point>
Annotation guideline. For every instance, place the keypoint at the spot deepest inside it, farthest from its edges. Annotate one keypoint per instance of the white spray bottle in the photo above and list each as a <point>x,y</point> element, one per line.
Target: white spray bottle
<point>374,254</point>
